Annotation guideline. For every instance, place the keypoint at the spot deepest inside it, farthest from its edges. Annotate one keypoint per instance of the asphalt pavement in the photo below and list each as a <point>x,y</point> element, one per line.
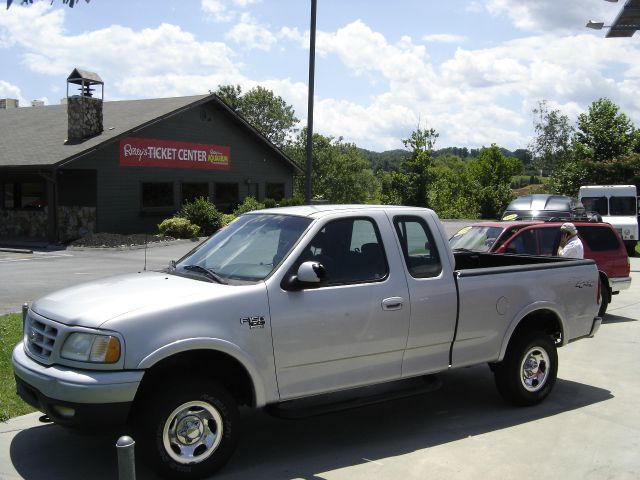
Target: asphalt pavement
<point>588,428</point>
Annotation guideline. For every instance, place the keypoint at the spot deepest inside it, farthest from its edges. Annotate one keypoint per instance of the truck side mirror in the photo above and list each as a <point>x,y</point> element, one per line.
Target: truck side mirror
<point>309,274</point>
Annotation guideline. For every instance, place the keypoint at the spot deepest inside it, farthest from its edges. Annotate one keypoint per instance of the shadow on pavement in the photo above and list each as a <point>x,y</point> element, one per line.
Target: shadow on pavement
<point>272,448</point>
<point>609,318</point>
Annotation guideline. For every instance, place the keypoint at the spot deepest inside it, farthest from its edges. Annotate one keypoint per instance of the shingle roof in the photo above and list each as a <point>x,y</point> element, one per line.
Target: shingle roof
<point>35,136</point>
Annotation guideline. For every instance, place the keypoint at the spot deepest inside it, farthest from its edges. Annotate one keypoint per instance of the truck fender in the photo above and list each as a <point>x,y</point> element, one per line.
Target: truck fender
<point>548,307</point>
<point>207,343</point>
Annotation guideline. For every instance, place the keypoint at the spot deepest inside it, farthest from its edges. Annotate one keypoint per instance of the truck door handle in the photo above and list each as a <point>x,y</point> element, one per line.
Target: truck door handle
<point>392,303</point>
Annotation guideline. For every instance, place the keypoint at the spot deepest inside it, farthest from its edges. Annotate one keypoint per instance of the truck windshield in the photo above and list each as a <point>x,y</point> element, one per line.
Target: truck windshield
<point>478,239</point>
<point>247,249</point>
<point>622,205</point>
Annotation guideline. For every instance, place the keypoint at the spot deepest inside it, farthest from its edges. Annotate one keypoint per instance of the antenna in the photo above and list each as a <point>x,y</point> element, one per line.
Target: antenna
<point>145,252</point>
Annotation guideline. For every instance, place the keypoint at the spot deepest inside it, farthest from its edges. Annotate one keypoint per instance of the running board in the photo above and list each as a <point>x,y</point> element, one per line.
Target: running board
<point>354,398</point>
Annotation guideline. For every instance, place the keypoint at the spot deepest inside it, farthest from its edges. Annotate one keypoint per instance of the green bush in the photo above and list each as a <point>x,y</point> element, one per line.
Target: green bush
<point>270,203</point>
<point>248,204</point>
<point>203,213</point>
<point>178,227</point>
<point>291,202</point>
<point>227,218</point>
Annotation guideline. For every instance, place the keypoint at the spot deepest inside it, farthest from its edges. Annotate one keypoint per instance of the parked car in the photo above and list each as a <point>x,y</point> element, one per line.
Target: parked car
<point>544,207</point>
<point>602,243</point>
<point>288,304</point>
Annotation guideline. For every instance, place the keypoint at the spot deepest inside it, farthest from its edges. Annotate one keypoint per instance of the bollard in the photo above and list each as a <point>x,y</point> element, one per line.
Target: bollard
<point>126,458</point>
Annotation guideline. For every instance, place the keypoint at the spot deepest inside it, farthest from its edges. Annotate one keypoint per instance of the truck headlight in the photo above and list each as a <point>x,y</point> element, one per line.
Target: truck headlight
<point>88,347</point>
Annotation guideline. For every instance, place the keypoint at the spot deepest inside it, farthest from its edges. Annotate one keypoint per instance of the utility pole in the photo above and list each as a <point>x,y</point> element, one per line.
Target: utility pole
<point>312,68</point>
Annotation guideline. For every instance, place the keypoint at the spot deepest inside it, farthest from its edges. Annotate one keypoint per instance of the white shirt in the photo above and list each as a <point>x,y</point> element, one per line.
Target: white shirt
<point>573,248</point>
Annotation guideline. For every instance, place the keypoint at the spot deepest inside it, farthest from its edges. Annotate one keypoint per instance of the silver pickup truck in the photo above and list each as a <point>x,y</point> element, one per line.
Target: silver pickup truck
<point>288,304</point>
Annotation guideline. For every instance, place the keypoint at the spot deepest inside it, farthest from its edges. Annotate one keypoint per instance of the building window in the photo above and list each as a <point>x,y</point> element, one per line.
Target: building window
<point>226,193</point>
<point>275,191</point>
<point>157,195</point>
<point>191,191</point>
<point>25,195</point>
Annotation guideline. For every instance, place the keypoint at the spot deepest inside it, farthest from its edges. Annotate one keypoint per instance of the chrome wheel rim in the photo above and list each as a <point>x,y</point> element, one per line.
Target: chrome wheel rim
<point>534,369</point>
<point>192,432</point>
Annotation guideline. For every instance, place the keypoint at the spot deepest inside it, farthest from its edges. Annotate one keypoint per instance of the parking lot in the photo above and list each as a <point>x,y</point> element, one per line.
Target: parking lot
<point>589,428</point>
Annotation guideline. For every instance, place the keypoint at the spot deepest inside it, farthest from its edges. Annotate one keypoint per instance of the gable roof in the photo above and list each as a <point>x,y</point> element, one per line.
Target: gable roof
<point>35,136</point>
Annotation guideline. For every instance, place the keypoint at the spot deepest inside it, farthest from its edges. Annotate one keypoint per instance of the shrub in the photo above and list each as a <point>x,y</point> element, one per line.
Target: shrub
<point>227,218</point>
<point>179,228</point>
<point>270,203</point>
<point>291,202</point>
<point>203,213</point>
<point>248,204</point>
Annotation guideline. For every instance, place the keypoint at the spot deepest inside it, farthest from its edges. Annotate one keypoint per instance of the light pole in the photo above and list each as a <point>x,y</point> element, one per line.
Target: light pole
<point>312,67</point>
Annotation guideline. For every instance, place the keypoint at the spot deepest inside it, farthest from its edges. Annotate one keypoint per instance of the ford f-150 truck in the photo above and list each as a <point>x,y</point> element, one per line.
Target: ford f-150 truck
<point>287,304</point>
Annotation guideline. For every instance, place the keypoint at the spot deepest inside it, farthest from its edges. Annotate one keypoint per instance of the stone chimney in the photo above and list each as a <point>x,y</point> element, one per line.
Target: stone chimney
<point>84,111</point>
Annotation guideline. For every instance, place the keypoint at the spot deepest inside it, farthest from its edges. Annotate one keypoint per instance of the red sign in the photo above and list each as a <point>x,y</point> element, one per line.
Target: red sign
<point>147,152</point>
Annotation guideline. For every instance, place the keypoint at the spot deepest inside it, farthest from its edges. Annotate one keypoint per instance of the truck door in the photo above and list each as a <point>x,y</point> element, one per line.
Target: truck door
<point>351,329</point>
<point>433,296</point>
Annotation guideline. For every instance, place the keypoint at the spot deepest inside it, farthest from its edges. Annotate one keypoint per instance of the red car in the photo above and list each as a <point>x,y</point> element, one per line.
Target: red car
<point>602,243</point>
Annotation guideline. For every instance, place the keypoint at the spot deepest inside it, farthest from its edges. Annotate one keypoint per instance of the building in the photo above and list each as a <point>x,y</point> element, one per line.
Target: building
<point>8,103</point>
<point>124,166</point>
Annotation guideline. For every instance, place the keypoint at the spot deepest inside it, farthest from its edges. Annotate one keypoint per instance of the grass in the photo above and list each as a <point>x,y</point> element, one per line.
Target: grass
<point>638,249</point>
<point>10,333</point>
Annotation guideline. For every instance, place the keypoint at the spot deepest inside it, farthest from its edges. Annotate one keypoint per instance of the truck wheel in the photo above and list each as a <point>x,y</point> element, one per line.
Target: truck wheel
<point>605,298</point>
<point>529,369</point>
<point>189,432</point>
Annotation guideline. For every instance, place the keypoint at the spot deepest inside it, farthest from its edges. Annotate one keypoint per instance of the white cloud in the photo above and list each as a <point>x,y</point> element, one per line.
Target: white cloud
<point>252,35</point>
<point>7,90</point>
<point>154,56</point>
<point>444,38</point>
<point>551,15</point>
<point>217,10</point>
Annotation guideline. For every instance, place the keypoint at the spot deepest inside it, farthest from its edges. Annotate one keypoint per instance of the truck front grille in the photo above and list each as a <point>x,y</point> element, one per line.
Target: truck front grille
<point>40,336</point>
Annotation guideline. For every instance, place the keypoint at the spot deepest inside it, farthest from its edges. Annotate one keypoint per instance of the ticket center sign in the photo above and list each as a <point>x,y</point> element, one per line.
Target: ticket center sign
<point>148,152</point>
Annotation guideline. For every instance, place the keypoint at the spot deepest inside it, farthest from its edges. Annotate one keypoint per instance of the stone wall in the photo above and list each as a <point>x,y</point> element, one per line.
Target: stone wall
<point>75,222</point>
<point>24,223</point>
<point>84,115</point>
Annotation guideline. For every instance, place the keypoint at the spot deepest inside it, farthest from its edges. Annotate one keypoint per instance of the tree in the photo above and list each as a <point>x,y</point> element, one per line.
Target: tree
<point>490,177</point>
<point>418,166</point>
<point>340,174</point>
<point>604,133</point>
<point>449,192</point>
<point>265,111</point>
<point>552,143</point>
<point>71,3</point>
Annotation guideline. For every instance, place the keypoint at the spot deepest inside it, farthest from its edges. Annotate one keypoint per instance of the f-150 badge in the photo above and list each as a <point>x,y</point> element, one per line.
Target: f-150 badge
<point>253,322</point>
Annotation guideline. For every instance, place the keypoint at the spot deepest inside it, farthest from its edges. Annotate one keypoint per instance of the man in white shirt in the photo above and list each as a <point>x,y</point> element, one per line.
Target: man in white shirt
<point>570,244</point>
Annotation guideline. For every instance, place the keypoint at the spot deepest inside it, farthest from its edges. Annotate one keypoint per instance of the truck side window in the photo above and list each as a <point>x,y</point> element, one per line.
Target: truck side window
<point>418,246</point>
<point>350,250</point>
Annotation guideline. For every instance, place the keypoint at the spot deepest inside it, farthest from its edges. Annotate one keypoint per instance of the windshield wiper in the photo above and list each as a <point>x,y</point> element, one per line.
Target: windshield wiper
<point>207,272</point>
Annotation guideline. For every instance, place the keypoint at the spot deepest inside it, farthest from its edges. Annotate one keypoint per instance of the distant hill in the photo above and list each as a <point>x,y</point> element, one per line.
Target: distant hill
<point>391,159</point>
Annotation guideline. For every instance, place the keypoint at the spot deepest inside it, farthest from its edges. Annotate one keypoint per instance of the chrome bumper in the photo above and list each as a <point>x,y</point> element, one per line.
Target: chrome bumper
<point>618,284</point>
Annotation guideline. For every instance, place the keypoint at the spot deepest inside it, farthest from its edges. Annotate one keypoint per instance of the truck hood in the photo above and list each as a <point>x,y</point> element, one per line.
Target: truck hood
<point>93,303</point>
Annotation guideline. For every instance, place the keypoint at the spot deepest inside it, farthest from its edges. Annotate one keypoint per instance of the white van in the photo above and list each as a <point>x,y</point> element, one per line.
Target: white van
<point>617,205</point>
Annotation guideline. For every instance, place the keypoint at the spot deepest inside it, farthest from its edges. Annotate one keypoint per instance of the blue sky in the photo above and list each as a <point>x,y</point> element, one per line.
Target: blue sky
<point>471,69</point>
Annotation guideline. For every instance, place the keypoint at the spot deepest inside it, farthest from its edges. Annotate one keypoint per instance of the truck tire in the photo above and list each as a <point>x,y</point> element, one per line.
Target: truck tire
<point>189,431</point>
<point>630,245</point>
<point>528,371</point>
<point>605,297</point>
